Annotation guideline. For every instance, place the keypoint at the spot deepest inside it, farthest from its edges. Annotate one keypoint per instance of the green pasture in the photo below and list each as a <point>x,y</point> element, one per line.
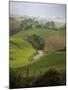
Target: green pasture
<point>54,60</point>
<point>44,33</point>
<point>21,53</point>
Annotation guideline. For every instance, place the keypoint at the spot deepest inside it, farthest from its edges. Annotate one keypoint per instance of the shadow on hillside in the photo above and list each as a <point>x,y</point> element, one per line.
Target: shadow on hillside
<point>14,44</point>
<point>50,78</point>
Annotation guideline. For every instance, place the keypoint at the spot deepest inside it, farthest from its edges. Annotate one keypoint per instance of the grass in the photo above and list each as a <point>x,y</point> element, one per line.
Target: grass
<point>44,33</point>
<point>20,52</point>
<point>54,60</point>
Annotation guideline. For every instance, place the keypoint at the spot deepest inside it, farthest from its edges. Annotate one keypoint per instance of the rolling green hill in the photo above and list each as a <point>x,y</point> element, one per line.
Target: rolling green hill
<point>44,33</point>
<point>20,52</point>
<point>54,39</point>
<point>54,60</point>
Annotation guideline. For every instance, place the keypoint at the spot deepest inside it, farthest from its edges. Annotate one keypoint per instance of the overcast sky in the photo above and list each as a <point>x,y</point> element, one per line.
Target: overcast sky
<point>37,9</point>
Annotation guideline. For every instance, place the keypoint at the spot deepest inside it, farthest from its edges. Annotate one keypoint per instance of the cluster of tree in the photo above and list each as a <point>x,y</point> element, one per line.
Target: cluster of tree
<point>37,42</point>
<point>50,25</point>
<point>50,78</point>
<point>30,23</point>
<point>14,25</point>
<point>26,23</point>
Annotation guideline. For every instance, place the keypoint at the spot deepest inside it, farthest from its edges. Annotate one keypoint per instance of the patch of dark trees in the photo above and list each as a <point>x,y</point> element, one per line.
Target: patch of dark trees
<point>37,42</point>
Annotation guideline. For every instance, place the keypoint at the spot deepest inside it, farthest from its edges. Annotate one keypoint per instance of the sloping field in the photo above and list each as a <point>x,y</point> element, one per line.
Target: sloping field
<point>20,52</point>
<point>54,39</point>
<point>54,60</point>
<point>44,33</point>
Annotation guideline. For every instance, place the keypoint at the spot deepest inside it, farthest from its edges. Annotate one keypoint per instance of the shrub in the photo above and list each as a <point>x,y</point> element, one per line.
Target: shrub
<point>50,78</point>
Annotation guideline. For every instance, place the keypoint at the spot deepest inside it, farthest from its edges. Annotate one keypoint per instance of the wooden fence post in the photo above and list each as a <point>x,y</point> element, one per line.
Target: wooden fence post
<point>27,71</point>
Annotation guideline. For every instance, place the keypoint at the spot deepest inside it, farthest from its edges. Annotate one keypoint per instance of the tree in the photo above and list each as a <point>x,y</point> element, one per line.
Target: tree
<point>38,26</point>
<point>14,25</point>
<point>27,23</point>
<point>37,42</point>
<point>52,25</point>
<point>47,24</point>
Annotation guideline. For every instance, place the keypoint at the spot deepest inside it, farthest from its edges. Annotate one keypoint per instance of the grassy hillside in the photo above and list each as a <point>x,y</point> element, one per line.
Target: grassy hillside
<point>54,60</point>
<point>54,39</point>
<point>25,69</point>
<point>44,33</point>
<point>20,52</point>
